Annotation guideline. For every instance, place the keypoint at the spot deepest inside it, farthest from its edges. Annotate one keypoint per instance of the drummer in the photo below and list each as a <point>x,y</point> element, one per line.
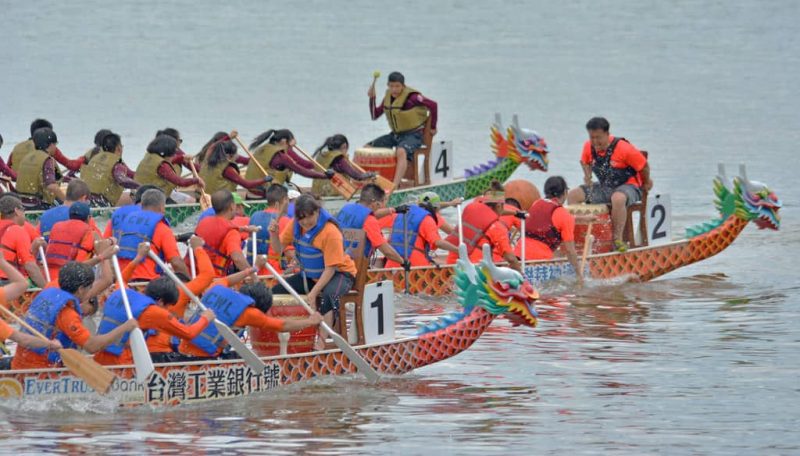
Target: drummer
<point>333,154</point>
<point>406,111</point>
<point>274,151</point>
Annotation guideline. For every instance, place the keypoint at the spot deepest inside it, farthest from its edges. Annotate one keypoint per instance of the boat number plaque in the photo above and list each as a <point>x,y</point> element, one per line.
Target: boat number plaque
<point>377,312</point>
<point>659,219</point>
<point>441,162</point>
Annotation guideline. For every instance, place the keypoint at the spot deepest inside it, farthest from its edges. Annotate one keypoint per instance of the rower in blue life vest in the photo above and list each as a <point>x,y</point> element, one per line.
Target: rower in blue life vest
<point>362,215</point>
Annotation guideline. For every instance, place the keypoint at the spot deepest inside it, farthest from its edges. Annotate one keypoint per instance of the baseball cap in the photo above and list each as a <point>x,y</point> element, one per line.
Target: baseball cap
<point>237,198</point>
<point>430,198</point>
<point>79,211</point>
<point>293,194</point>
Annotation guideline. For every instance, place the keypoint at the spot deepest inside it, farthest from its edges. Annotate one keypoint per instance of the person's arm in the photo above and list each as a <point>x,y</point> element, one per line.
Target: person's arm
<point>49,179</point>
<point>35,273</point>
<point>106,277</point>
<point>164,241</point>
<point>297,164</point>
<point>375,110</point>
<point>17,285</point>
<point>6,169</point>
<point>141,254</point>
<point>120,174</point>
<point>445,245</point>
<point>161,319</point>
<point>166,171</point>
<point>572,257</point>
<point>390,253</point>
<point>647,183</point>
<point>433,108</point>
<point>242,160</point>
<point>327,275</point>
<point>31,341</point>
<point>72,165</point>
<point>98,342</point>
<point>297,324</point>
<point>232,175</point>
<point>343,165</point>
<point>276,240</point>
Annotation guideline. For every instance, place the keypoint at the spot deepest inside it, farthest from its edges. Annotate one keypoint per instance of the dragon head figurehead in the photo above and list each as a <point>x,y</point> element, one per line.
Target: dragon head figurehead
<point>749,200</point>
<point>498,290</point>
<point>521,145</point>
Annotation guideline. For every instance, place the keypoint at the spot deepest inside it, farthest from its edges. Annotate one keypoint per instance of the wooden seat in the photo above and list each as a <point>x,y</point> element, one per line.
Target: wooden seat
<point>413,171</point>
<point>640,207</point>
<point>356,238</point>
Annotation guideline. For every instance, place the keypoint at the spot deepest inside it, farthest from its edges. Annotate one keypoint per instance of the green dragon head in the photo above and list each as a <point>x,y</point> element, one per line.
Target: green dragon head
<point>748,200</point>
<point>521,145</point>
<point>498,290</point>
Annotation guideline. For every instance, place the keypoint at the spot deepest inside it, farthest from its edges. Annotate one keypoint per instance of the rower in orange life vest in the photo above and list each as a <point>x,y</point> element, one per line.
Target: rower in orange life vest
<point>71,240</point>
<point>406,111</point>
<point>277,204</point>
<point>57,312</point>
<point>223,239</point>
<point>274,150</point>
<point>15,241</point>
<point>239,309</point>
<point>482,225</point>
<point>549,225</point>
<point>319,246</point>
<point>333,154</point>
<point>77,191</point>
<point>422,236</point>
<point>621,169</point>
<point>362,215</point>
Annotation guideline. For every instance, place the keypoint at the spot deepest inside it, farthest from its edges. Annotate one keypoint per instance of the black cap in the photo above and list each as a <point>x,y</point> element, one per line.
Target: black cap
<point>79,211</point>
<point>43,137</point>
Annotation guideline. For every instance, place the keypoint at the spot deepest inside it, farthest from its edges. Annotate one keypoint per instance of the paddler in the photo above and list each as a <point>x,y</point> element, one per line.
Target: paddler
<point>148,224</point>
<point>22,149</point>
<point>156,168</point>
<point>57,312</point>
<point>119,213</point>
<point>273,149</point>
<point>327,271</point>
<point>277,205</point>
<point>422,236</point>
<point>16,241</point>
<point>481,225</point>
<point>218,136</point>
<point>71,240</point>
<point>549,225</point>
<point>223,239</point>
<point>361,216</point>
<point>37,182</point>
<point>406,111</point>
<point>240,309</point>
<point>107,175</point>
<point>621,169</point>
<point>98,145</point>
<point>220,171</point>
<point>77,191</point>
<point>333,155</point>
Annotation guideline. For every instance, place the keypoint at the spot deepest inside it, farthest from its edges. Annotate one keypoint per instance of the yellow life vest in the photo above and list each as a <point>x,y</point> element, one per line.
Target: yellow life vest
<point>99,176</point>
<point>30,178</point>
<point>19,152</point>
<point>214,179</point>
<point>403,120</point>
<point>323,187</point>
<point>147,172</point>
<point>263,155</point>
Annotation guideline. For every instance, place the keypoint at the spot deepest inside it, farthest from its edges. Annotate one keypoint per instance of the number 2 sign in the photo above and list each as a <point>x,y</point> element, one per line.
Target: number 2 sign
<point>441,162</point>
<point>377,312</point>
<point>659,219</point>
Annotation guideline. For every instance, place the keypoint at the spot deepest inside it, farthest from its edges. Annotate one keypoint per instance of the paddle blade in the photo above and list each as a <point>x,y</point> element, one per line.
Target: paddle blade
<point>247,355</point>
<point>141,356</point>
<point>94,374</point>
<point>343,186</point>
<point>384,183</point>
<point>361,364</point>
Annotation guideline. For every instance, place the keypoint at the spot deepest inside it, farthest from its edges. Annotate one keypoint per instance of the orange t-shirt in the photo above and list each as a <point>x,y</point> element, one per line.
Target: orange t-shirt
<point>426,237</point>
<point>32,231</point>
<point>5,331</point>
<point>372,230</point>
<point>538,250</point>
<point>250,317</point>
<point>625,154</point>
<point>16,248</point>
<point>163,242</point>
<point>68,322</point>
<point>331,242</point>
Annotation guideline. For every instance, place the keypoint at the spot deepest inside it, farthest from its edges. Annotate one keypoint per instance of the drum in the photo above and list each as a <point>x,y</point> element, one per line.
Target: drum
<point>601,228</point>
<point>381,160</point>
<point>266,343</point>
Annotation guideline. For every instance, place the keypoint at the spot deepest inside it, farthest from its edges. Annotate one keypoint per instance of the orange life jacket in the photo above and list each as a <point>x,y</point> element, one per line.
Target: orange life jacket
<point>539,224</point>
<point>4,226</point>
<point>476,220</point>
<point>213,230</point>
<point>65,241</point>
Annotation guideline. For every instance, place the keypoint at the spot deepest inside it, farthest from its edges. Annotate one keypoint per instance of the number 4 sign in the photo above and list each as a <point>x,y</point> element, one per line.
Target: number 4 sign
<point>441,162</point>
<point>659,219</point>
<point>377,312</point>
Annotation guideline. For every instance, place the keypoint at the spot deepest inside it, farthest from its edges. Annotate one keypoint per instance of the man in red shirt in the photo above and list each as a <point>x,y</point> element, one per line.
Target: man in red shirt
<point>15,242</point>
<point>621,169</point>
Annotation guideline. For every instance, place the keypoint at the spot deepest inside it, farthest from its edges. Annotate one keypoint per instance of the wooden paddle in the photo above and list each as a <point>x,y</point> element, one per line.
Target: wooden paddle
<point>382,182</point>
<point>362,364</point>
<point>225,331</point>
<point>141,354</point>
<point>205,198</point>
<point>94,374</point>
<point>339,182</point>
<point>588,240</point>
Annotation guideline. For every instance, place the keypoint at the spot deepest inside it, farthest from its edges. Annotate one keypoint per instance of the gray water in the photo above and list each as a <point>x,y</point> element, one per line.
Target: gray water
<point>702,361</point>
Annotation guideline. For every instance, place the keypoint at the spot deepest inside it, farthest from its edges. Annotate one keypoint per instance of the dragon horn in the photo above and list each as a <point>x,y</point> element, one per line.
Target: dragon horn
<point>515,123</point>
<point>723,176</point>
<point>498,121</point>
<point>498,274</point>
<point>465,265</point>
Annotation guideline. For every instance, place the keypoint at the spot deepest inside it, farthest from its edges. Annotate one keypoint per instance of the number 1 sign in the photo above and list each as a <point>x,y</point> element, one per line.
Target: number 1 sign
<point>377,312</point>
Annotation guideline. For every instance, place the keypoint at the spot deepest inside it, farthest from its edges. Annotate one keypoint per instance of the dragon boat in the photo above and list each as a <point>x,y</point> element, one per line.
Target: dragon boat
<point>530,149</point>
<point>485,292</point>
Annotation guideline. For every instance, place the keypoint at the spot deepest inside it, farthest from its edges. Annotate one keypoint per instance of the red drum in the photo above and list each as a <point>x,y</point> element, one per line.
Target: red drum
<point>266,343</point>
<point>601,228</point>
<point>381,160</point>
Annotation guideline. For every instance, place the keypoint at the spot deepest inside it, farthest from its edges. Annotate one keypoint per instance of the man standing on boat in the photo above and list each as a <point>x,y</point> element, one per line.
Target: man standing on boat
<point>406,111</point>
<point>621,169</point>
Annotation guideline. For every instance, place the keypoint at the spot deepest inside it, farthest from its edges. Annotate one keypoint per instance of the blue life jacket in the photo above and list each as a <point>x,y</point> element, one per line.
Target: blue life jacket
<point>310,257</point>
<point>415,216</point>
<point>118,216</point>
<point>261,219</point>
<point>353,215</point>
<point>290,210</point>
<point>50,217</point>
<point>42,316</point>
<point>228,305</point>
<point>114,315</point>
<point>138,226</point>
<point>207,213</point>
